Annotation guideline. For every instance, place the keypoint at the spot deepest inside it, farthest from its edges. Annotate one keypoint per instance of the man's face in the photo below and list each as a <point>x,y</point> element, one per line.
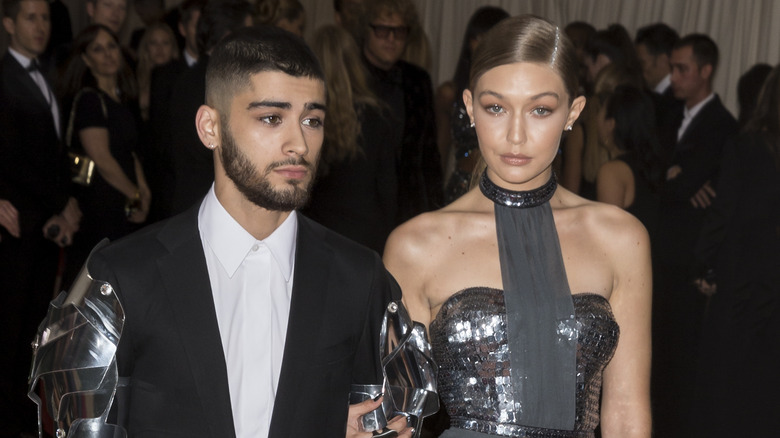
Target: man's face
<point>689,81</point>
<point>30,29</point>
<point>272,138</point>
<point>654,67</point>
<point>109,13</point>
<point>189,31</point>
<point>386,40</point>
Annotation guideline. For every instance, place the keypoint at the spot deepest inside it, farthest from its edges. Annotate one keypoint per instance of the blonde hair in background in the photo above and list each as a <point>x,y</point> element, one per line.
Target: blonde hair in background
<point>143,71</point>
<point>348,91</point>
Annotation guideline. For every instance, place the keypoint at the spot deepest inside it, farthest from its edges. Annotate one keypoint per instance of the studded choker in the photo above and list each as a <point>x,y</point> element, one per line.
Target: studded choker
<point>511,198</point>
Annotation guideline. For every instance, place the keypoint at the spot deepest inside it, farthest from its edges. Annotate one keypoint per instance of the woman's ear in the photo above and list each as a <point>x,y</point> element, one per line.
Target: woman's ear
<point>467,102</point>
<point>575,110</point>
<point>207,124</point>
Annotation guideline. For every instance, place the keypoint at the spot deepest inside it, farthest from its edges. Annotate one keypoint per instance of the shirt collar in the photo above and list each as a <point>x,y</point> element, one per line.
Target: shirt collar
<point>23,60</point>
<point>231,243</point>
<point>664,84</point>
<point>691,113</point>
<point>189,59</point>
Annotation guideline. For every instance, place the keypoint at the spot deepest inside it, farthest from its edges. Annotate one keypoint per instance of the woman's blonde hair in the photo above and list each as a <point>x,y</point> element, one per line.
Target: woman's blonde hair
<point>348,91</point>
<point>143,71</point>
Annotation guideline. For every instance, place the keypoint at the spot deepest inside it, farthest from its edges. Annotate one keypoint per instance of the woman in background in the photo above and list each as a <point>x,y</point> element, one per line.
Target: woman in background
<point>456,138</point>
<point>103,121</point>
<point>525,287</point>
<point>286,14</point>
<point>627,130</point>
<point>355,190</point>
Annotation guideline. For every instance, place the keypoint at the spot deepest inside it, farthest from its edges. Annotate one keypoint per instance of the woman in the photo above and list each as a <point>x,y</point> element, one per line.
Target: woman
<point>456,139</point>
<point>492,274</point>
<point>737,378</point>
<point>355,191</point>
<point>157,47</point>
<point>103,125</point>
<point>627,130</point>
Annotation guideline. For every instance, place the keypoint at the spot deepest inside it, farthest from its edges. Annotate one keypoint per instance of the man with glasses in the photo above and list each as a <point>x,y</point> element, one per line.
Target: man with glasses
<point>407,91</point>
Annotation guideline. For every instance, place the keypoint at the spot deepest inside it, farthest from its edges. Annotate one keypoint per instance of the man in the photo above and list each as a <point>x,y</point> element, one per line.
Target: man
<point>158,162</point>
<point>407,91</point>
<point>653,45</point>
<point>39,215</point>
<point>347,14</point>
<point>242,317</point>
<point>701,132</point>
<point>193,166</point>
<point>110,13</point>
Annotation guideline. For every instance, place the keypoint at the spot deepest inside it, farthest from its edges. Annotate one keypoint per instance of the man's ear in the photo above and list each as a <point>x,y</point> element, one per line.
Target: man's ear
<point>706,71</point>
<point>575,110</point>
<point>467,102</point>
<point>9,25</point>
<point>207,124</point>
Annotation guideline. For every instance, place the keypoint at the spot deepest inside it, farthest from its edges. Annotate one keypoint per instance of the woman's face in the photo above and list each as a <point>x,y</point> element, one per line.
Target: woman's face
<point>520,111</point>
<point>160,47</point>
<point>103,56</point>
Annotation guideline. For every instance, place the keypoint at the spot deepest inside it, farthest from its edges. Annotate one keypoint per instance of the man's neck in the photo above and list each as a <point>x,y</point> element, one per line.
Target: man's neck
<point>257,221</point>
<point>698,98</point>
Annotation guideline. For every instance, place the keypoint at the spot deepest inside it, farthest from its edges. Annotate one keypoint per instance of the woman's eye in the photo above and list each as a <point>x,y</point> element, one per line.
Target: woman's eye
<point>271,120</point>
<point>494,109</point>
<point>541,111</point>
<point>312,123</point>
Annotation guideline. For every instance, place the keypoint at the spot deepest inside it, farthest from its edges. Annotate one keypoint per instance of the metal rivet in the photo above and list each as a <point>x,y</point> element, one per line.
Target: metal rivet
<point>392,307</point>
<point>35,345</point>
<point>60,433</point>
<point>106,289</point>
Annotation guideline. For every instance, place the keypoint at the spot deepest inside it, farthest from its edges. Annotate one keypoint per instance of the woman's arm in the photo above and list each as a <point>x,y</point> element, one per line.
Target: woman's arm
<point>612,183</point>
<point>96,144</point>
<point>404,258</point>
<point>625,411</point>
<point>145,195</point>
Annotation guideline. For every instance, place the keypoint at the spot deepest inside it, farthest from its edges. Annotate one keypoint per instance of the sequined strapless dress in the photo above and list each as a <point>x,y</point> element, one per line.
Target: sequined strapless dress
<point>469,343</point>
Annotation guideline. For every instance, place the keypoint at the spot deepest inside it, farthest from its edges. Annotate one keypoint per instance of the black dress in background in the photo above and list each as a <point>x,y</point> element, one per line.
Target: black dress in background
<point>646,200</point>
<point>102,206</point>
<point>738,375</point>
<point>465,146</point>
<point>357,198</point>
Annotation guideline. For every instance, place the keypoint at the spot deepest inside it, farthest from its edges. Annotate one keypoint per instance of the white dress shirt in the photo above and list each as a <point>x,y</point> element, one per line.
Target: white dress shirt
<point>40,81</point>
<point>189,59</point>
<point>251,281</point>
<point>661,87</point>
<point>690,113</point>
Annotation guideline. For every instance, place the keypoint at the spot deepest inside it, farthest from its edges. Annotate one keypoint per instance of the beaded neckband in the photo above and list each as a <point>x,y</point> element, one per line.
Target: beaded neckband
<point>511,198</point>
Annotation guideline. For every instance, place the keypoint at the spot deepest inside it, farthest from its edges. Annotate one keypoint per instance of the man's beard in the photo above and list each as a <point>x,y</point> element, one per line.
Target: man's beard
<point>255,186</point>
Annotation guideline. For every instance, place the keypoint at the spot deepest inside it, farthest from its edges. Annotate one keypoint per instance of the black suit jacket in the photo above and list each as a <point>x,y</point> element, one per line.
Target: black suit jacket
<point>34,174</point>
<point>171,349</point>
<point>698,153</point>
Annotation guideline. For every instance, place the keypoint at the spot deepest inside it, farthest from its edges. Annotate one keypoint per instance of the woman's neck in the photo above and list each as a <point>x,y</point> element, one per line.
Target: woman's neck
<point>108,85</point>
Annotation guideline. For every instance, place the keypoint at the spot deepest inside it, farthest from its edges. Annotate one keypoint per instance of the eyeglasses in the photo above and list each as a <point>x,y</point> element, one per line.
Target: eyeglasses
<point>383,32</point>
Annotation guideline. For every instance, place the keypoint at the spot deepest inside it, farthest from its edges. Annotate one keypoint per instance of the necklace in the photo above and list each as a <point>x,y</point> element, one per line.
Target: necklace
<point>511,198</point>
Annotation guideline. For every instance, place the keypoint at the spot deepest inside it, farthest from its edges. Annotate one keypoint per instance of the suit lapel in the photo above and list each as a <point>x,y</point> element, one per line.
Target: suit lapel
<point>698,120</point>
<point>31,89</point>
<point>312,262</point>
<point>187,284</point>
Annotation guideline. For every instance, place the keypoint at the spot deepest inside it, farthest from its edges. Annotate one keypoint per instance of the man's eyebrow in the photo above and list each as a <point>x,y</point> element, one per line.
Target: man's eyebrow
<point>269,104</point>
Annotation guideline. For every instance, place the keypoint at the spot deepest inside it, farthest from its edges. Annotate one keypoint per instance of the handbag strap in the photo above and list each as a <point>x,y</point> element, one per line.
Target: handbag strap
<point>72,117</point>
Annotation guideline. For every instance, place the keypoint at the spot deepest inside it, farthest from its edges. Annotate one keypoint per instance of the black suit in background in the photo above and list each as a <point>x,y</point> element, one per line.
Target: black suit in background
<point>357,197</point>
<point>407,91</point>
<point>171,347</point>
<point>193,163</point>
<point>156,156</point>
<point>737,376</point>
<point>678,306</point>
<point>34,177</point>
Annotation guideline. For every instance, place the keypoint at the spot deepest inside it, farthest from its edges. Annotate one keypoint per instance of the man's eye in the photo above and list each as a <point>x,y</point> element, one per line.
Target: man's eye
<point>312,123</point>
<point>271,120</point>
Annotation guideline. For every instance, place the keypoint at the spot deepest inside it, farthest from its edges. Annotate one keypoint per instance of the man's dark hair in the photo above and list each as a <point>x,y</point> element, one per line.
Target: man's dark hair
<point>253,50</point>
<point>11,8</point>
<point>219,18</point>
<point>705,51</point>
<point>189,7</point>
<point>658,38</point>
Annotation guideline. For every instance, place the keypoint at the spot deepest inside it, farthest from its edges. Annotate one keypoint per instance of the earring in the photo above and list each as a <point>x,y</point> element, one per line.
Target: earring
<point>211,146</point>
<point>569,128</point>
<point>472,125</point>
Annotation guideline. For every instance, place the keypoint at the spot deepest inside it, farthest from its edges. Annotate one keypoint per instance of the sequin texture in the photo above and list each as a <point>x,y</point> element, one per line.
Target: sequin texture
<point>469,344</point>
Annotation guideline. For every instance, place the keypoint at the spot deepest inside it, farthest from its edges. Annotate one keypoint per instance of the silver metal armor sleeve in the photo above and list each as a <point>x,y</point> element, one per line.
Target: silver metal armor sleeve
<point>74,370</point>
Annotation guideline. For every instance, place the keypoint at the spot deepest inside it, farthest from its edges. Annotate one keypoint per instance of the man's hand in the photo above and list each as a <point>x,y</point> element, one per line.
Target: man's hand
<point>703,198</point>
<point>72,214</point>
<point>672,172</point>
<point>706,288</point>
<point>9,218</point>
<point>356,412</point>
